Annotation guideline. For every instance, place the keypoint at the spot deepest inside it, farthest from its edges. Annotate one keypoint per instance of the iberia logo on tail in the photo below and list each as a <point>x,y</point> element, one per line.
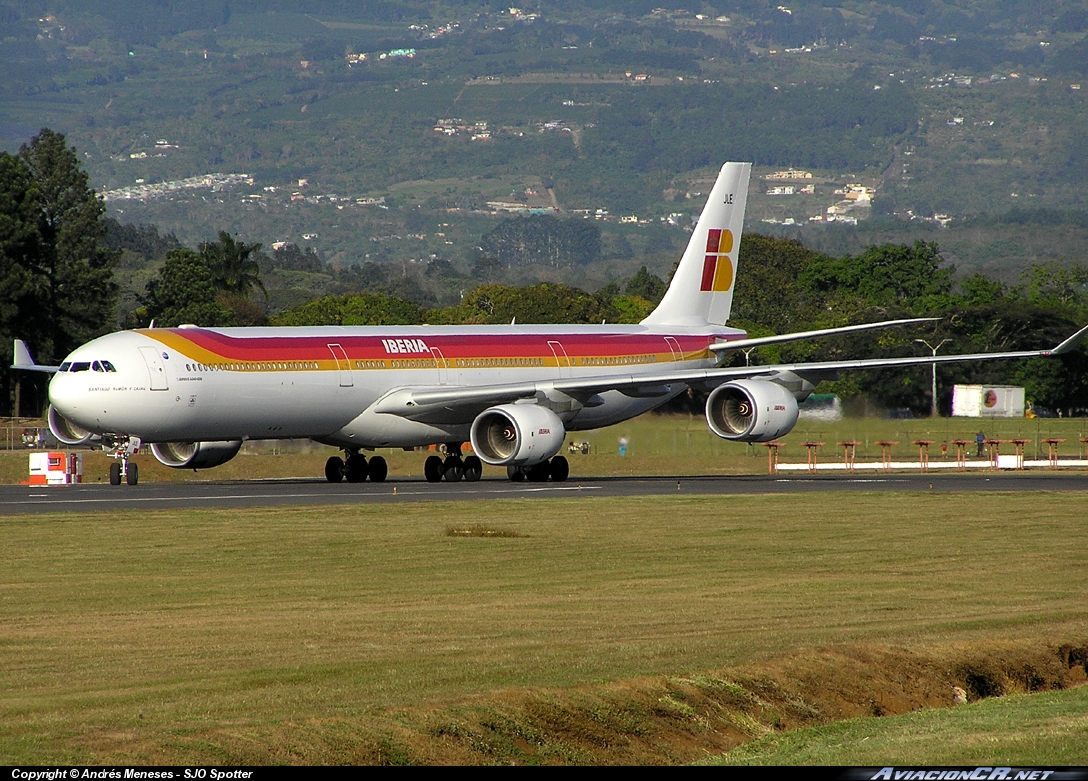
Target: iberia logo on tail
<point>717,267</point>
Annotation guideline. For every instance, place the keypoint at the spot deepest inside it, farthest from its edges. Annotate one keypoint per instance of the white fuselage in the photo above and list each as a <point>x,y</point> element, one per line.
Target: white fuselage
<point>193,384</point>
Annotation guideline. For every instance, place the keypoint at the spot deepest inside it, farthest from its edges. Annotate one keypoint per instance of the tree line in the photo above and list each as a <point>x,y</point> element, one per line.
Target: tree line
<point>56,275</point>
<point>58,255</point>
<point>783,286</point>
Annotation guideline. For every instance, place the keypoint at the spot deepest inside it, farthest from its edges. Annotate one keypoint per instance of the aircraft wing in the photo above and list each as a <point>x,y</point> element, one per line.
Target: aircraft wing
<point>24,362</point>
<point>459,404</point>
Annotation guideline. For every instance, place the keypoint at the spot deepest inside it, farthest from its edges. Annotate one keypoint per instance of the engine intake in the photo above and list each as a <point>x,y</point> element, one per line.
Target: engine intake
<point>67,432</point>
<point>517,435</point>
<point>195,455</point>
<point>751,411</point>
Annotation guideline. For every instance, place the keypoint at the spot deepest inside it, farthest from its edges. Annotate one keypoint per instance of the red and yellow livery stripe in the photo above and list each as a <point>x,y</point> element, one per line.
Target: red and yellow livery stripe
<point>315,352</point>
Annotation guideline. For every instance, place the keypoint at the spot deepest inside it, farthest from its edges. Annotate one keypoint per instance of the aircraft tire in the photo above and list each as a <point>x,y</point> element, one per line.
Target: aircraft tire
<point>537,473</point>
<point>377,469</point>
<point>132,474</point>
<point>453,469</point>
<point>356,469</point>
<point>515,473</point>
<point>334,469</point>
<point>559,468</point>
<point>115,473</point>
<point>432,469</point>
<point>473,469</point>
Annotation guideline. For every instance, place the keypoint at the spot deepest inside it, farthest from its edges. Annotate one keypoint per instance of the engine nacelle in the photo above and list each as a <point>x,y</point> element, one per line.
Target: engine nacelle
<point>751,411</point>
<point>195,455</point>
<point>67,432</point>
<point>517,435</point>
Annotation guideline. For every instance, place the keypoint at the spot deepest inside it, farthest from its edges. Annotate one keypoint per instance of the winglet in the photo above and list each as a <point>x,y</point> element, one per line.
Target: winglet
<point>24,361</point>
<point>1070,343</point>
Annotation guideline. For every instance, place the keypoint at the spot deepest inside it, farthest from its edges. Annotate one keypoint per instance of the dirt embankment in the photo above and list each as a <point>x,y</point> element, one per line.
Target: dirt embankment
<point>681,719</point>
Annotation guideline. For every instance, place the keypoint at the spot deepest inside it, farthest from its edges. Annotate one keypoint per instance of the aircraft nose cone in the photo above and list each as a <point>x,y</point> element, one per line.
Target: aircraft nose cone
<point>68,395</point>
<point>62,394</point>
<point>69,398</point>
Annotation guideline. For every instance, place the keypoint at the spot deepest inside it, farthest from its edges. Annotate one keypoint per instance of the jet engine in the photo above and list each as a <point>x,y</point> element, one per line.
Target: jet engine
<point>195,455</point>
<point>751,411</point>
<point>67,432</point>
<point>517,435</point>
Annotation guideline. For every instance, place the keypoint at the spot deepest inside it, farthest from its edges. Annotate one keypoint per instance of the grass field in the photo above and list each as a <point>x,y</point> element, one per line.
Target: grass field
<point>1016,730</point>
<point>658,445</point>
<point>525,630</point>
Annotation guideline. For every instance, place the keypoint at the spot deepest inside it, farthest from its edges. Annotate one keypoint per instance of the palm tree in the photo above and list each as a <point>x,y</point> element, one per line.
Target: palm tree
<point>233,269</point>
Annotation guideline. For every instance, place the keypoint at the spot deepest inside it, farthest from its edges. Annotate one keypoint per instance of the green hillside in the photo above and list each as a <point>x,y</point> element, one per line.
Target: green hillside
<point>955,109</point>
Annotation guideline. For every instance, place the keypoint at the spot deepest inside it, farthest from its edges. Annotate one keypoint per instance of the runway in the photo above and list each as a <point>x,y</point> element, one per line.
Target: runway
<point>18,499</point>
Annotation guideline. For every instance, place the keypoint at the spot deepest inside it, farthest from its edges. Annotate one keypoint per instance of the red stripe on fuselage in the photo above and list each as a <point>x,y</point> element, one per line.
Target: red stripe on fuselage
<point>316,348</point>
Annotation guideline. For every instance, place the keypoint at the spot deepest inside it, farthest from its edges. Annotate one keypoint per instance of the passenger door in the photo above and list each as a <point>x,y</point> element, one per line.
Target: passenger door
<point>342,364</point>
<point>156,369</point>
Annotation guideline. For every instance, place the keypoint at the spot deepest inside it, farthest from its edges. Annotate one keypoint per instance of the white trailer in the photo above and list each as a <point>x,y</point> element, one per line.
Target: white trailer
<point>987,401</point>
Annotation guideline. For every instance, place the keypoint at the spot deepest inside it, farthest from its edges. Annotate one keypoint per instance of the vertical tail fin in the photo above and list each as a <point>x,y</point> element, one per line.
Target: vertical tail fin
<point>701,290</point>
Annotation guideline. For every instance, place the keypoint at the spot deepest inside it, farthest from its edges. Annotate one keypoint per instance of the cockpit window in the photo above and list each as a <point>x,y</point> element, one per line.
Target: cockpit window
<point>64,366</point>
<point>97,366</point>
<point>108,366</point>
<point>80,366</point>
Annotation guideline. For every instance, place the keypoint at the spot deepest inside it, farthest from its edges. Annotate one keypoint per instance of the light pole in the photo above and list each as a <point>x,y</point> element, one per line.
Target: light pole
<point>933,400</point>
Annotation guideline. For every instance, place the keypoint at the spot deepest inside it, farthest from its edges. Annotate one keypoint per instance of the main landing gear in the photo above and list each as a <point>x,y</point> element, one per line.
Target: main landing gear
<point>122,469</point>
<point>453,468</point>
<point>556,469</point>
<point>356,468</point>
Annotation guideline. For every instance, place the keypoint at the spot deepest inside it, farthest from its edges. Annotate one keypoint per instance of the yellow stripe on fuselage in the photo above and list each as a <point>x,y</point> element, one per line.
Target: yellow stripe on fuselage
<point>194,352</point>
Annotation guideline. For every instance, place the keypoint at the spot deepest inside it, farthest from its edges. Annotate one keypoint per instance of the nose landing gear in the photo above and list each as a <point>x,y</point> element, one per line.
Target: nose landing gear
<point>123,448</point>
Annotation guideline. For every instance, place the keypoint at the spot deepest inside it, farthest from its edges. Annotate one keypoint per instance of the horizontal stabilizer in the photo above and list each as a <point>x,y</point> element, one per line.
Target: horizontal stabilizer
<point>24,362</point>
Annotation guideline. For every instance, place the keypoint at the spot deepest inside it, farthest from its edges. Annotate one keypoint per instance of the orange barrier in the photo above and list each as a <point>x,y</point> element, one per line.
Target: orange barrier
<point>848,447</point>
<point>812,447</point>
<point>886,446</point>
<point>923,452</point>
<point>772,456</point>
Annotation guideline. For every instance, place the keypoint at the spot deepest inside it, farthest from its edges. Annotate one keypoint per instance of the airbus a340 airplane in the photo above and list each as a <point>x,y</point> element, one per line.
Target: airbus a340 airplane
<point>195,394</point>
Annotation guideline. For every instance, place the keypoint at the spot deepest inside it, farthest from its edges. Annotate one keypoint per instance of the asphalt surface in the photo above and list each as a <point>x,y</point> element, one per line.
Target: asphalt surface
<point>18,499</point>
